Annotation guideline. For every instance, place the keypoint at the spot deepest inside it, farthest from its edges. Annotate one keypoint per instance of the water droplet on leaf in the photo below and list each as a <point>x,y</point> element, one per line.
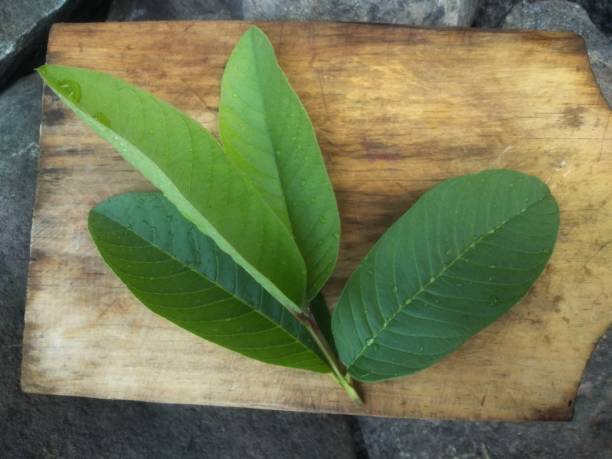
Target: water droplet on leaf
<point>71,89</point>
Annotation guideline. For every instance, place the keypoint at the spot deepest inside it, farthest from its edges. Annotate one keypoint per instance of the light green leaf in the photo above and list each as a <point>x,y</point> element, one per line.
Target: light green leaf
<point>182,275</point>
<point>266,131</point>
<point>466,252</point>
<point>187,164</point>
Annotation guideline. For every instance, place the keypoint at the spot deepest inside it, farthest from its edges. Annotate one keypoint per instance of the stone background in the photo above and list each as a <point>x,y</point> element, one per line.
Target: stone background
<point>67,427</point>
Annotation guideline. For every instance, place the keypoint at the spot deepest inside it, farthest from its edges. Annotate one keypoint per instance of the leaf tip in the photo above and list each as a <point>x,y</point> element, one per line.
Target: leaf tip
<point>43,71</point>
<point>256,36</point>
<point>253,29</point>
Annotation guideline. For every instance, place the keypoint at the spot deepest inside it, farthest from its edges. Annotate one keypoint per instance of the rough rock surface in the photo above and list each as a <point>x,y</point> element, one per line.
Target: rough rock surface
<point>151,10</point>
<point>24,27</point>
<point>48,426</point>
<point>415,12</point>
<point>600,12</point>
<point>491,13</point>
<point>589,435</point>
<point>567,16</point>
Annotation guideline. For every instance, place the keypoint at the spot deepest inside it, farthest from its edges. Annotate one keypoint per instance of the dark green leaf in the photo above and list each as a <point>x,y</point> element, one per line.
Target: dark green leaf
<point>322,317</point>
<point>456,261</point>
<point>267,133</point>
<point>182,275</point>
<point>188,165</point>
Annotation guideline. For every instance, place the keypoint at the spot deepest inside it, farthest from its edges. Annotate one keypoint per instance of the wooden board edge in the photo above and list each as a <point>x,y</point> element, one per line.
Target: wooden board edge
<point>531,33</point>
<point>552,414</point>
<point>26,348</point>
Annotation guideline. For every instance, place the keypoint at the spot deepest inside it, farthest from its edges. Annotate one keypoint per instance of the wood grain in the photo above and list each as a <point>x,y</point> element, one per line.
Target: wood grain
<point>396,110</point>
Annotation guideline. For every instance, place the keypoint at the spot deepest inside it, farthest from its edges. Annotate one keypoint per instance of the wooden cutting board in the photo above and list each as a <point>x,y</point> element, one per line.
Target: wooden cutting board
<point>396,111</point>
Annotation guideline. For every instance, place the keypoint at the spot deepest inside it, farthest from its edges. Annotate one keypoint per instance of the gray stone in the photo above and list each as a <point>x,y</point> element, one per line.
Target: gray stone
<point>491,13</point>
<point>567,16</point>
<point>419,12</point>
<point>24,26</point>
<point>415,12</point>
<point>19,122</point>
<point>600,12</point>
<point>48,426</point>
<point>151,10</point>
<point>589,435</point>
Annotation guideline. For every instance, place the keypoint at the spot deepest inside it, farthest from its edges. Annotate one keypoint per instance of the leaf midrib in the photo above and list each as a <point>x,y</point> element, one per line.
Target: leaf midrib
<point>272,143</point>
<point>433,279</point>
<point>285,79</point>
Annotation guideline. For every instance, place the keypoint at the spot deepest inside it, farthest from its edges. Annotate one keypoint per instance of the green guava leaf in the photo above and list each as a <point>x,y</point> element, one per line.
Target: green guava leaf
<point>182,275</point>
<point>266,131</point>
<point>467,251</point>
<point>320,312</point>
<point>184,161</point>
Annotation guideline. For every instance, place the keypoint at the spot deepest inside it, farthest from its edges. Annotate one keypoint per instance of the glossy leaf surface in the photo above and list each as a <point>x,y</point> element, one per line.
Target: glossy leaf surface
<point>467,251</point>
<point>188,165</point>
<point>182,275</point>
<point>266,131</point>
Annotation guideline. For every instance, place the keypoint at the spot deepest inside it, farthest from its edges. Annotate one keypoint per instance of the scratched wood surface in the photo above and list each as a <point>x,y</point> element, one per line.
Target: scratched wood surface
<point>396,111</point>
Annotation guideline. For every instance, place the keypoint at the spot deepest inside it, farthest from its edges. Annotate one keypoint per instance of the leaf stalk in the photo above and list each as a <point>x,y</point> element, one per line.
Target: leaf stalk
<point>338,373</point>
